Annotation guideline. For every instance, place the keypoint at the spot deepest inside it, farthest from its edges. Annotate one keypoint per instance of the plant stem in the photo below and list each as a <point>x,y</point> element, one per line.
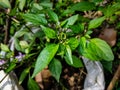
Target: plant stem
<point>114,79</point>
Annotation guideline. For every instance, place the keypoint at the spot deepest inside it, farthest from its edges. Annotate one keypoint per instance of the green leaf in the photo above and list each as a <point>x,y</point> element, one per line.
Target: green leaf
<point>102,49</point>
<point>45,57</point>
<point>83,6</point>
<point>21,4</point>
<point>77,63</point>
<point>53,16</point>
<point>23,75</point>
<point>55,67</point>
<point>4,47</point>
<point>17,45</point>
<point>69,54</point>
<point>73,43</point>
<point>50,33</point>
<point>77,29</point>
<point>36,19</point>
<point>70,21</point>
<point>32,85</point>
<point>82,45</point>
<point>5,3</point>
<point>96,22</point>
<point>23,44</point>
<point>46,4</point>
<point>98,49</point>
<point>107,65</point>
<point>20,33</point>
<point>10,67</point>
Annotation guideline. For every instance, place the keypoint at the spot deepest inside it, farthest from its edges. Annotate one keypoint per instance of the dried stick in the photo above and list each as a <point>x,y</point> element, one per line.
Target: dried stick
<point>115,79</point>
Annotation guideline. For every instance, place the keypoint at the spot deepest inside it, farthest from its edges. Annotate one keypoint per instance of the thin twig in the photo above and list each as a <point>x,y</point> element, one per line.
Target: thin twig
<point>114,79</point>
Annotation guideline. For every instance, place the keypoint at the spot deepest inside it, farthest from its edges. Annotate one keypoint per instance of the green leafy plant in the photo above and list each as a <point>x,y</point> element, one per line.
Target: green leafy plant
<point>47,36</point>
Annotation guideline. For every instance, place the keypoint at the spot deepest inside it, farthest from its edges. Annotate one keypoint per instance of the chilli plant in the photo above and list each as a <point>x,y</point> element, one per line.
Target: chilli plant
<point>40,33</point>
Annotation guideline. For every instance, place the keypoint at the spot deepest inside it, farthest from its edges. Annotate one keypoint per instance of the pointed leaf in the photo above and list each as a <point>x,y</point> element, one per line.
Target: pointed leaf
<point>73,43</point>
<point>69,21</point>
<point>23,75</point>
<point>45,57</point>
<point>102,49</point>
<point>82,45</point>
<point>77,63</point>
<point>32,85</point>
<point>83,6</point>
<point>4,47</point>
<point>36,19</point>
<point>69,54</point>
<point>96,22</point>
<point>5,3</point>
<point>50,33</point>
<point>53,16</point>
<point>55,67</point>
<point>98,49</point>
<point>21,4</point>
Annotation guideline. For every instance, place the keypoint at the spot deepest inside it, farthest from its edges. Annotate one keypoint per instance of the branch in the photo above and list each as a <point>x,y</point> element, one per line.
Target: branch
<point>115,79</point>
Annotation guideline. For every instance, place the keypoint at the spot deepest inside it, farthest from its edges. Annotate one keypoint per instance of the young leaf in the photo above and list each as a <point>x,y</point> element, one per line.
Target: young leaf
<point>96,22</point>
<point>77,63</point>
<point>36,19</point>
<point>55,68</point>
<point>21,4</point>
<point>45,57</point>
<point>50,33</point>
<point>23,75</point>
<point>83,6</point>
<point>69,21</point>
<point>4,47</point>
<point>73,43</point>
<point>17,45</point>
<point>5,3</point>
<point>53,15</point>
<point>69,54</point>
<point>32,85</point>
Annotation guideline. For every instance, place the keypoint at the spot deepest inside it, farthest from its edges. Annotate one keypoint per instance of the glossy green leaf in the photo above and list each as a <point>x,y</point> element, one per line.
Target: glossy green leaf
<point>96,22</point>
<point>53,15</point>
<point>73,43</point>
<point>77,63</point>
<point>23,75</point>
<point>102,49</point>
<point>17,45</point>
<point>36,19</point>
<point>98,49</point>
<point>5,3</point>
<point>11,67</point>
<point>82,45</point>
<point>4,47</point>
<point>83,6</point>
<point>69,54</point>
<point>70,21</point>
<point>77,29</point>
<point>21,4</point>
<point>55,67</point>
<point>50,33</point>
<point>44,58</point>
<point>32,85</point>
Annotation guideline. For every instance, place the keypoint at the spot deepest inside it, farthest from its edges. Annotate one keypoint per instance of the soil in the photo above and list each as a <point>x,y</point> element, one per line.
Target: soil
<point>71,79</point>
